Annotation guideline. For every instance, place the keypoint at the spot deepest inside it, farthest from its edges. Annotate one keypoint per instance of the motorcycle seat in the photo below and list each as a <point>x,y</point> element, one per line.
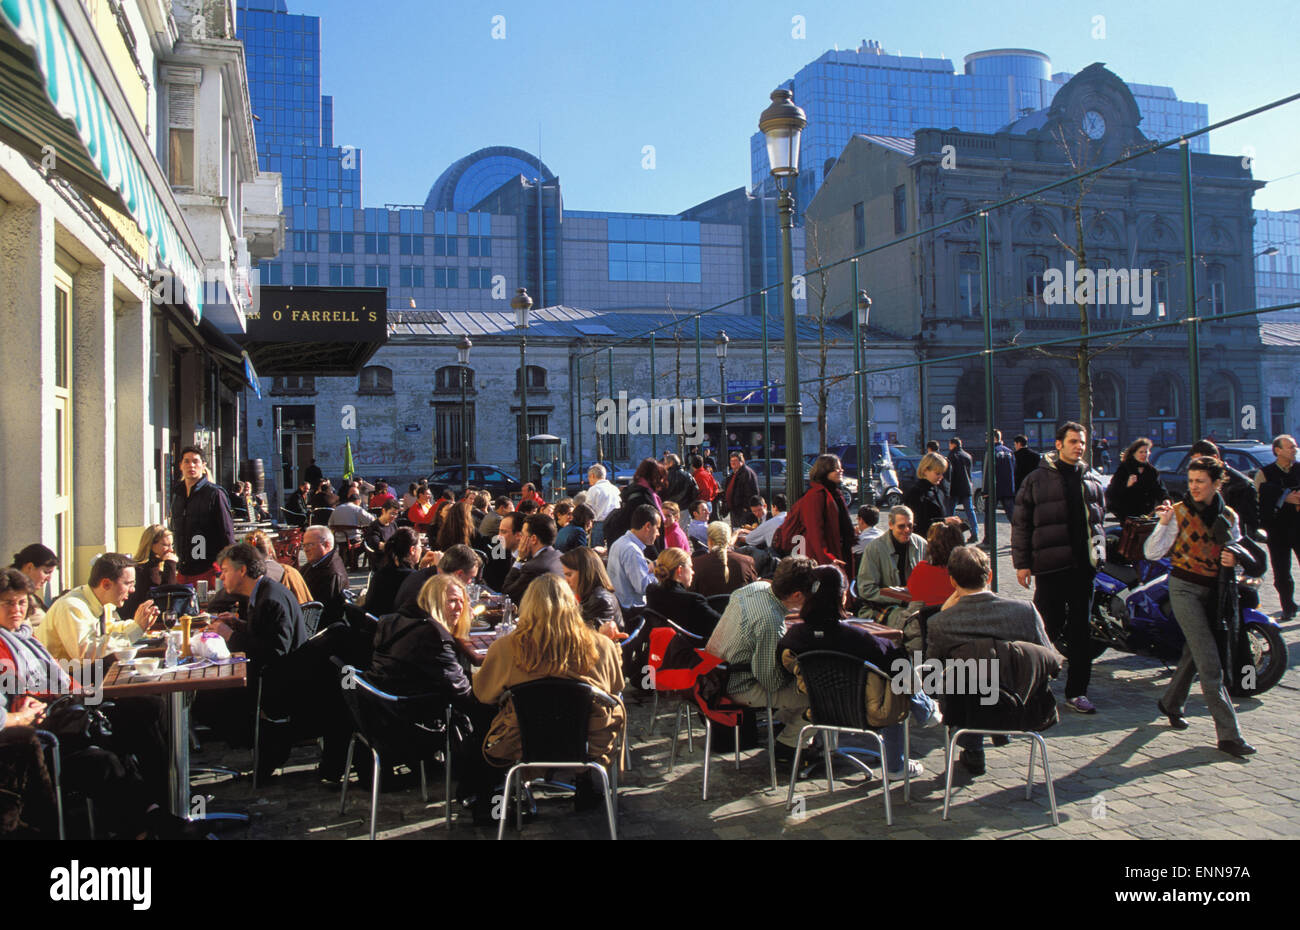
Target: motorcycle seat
<point>1124,574</point>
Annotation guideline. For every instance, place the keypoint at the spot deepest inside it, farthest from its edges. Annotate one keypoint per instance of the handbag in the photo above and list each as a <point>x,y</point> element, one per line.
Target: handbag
<point>1134,536</point>
<point>77,726</point>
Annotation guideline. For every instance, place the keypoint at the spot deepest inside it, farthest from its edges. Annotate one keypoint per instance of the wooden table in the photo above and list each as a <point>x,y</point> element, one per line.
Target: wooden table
<point>178,686</point>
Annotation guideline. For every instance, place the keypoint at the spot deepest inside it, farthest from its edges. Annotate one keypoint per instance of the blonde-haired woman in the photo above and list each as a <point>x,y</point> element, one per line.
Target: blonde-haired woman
<point>417,649</point>
<point>671,594</point>
<point>551,641</point>
<point>720,570</point>
<point>155,564</point>
<point>925,498</point>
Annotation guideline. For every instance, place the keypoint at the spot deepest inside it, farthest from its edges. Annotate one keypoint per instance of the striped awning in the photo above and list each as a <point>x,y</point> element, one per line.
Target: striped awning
<point>76,97</point>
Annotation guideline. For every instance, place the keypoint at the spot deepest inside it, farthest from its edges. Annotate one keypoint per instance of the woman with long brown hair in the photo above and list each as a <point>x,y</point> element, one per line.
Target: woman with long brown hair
<point>820,517</point>
<point>552,640</point>
<point>587,579</point>
<point>456,527</point>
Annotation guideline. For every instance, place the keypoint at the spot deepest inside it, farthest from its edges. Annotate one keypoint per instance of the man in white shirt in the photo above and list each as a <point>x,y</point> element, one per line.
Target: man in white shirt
<point>603,499</point>
<point>351,517</point>
<point>629,570</point>
<point>868,527</point>
<point>84,623</point>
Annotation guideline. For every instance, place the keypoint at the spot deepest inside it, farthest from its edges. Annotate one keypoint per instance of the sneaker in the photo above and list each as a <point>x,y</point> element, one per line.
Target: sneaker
<point>1081,705</point>
<point>914,770</point>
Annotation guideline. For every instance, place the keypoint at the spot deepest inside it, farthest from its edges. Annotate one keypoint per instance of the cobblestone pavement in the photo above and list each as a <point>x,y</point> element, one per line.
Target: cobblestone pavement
<point>1122,773</point>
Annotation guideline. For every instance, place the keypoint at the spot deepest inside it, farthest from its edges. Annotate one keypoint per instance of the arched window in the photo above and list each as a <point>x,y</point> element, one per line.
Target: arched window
<point>536,378</point>
<point>447,378</point>
<point>1106,411</point>
<point>375,379</point>
<point>1042,402</point>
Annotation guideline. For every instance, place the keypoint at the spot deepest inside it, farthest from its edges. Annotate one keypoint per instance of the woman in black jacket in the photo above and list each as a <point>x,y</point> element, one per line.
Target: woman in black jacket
<point>671,594</point>
<point>402,551</point>
<point>1135,490</point>
<point>925,498</point>
<point>587,578</point>
<point>418,649</point>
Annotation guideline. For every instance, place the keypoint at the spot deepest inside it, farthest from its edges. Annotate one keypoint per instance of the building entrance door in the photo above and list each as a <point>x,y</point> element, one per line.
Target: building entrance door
<point>297,427</point>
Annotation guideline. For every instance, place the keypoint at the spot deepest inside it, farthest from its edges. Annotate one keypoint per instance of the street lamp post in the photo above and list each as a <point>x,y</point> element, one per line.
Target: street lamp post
<point>720,348</point>
<point>867,492</point>
<point>521,303</point>
<point>781,124</point>
<point>462,355</point>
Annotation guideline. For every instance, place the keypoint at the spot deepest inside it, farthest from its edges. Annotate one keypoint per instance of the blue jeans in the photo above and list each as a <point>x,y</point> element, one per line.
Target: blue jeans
<point>969,503</point>
<point>923,708</point>
<point>598,533</point>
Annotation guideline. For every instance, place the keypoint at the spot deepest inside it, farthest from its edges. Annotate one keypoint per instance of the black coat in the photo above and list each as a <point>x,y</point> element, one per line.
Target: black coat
<point>327,581</point>
<point>202,514</point>
<point>681,488</point>
<point>1140,499</point>
<point>275,625</point>
<point>927,503</point>
<point>408,589</point>
<point>416,655</point>
<point>1026,461</point>
<point>1279,516</point>
<point>546,561</point>
<point>684,607</point>
<point>375,533</point>
<point>1240,493</point>
<point>960,465</point>
<point>381,597</point>
<point>601,606</point>
<point>1040,530</point>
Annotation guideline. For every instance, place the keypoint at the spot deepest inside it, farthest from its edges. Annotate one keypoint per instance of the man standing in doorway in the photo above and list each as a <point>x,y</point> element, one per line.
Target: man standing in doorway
<point>1057,538</point>
<point>201,521</point>
<point>1279,505</point>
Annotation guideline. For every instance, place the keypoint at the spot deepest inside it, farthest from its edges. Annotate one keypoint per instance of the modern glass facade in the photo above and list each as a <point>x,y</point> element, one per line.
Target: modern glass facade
<point>865,91</point>
<point>1277,276</point>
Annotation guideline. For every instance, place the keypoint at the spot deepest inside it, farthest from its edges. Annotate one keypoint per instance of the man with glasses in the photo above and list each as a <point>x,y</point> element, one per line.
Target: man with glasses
<point>887,561</point>
<point>84,624</point>
<point>326,578</point>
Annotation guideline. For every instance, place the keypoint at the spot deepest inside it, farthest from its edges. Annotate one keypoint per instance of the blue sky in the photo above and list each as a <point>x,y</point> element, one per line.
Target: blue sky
<point>419,84</point>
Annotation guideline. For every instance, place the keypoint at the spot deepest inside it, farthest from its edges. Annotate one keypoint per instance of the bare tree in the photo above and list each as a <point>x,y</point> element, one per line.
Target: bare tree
<point>819,286</point>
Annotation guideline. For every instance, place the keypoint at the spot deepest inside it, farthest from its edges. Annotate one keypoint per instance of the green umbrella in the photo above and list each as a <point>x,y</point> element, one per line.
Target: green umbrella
<point>348,468</point>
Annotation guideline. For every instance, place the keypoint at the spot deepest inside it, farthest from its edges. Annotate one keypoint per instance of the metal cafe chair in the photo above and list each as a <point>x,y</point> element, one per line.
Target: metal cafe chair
<point>554,717</point>
<point>735,713</point>
<point>836,684</point>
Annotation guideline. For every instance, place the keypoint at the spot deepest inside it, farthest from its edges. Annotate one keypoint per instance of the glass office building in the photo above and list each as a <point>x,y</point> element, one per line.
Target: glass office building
<point>1277,262</point>
<point>866,91</point>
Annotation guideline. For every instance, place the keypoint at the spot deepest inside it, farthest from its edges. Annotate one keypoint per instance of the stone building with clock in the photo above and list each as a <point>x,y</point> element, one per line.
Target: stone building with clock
<point>1127,219</point>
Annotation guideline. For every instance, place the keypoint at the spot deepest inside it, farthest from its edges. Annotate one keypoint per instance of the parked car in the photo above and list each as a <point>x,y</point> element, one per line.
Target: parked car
<point>1245,455</point>
<point>488,477</point>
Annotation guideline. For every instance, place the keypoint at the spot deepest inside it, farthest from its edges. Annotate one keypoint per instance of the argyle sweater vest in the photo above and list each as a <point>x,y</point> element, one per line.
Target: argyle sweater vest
<point>1194,550</point>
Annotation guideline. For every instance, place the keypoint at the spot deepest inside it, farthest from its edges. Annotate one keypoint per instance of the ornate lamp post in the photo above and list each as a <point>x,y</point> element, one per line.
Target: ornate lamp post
<point>521,303</point>
<point>867,492</point>
<point>720,349</point>
<point>782,123</point>
<point>462,355</point>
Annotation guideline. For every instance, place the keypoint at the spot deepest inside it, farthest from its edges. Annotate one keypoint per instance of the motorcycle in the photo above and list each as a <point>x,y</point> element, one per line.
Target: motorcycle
<point>1131,613</point>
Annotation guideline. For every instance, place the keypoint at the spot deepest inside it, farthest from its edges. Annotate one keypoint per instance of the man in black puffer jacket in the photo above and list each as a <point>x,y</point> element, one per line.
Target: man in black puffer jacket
<point>1057,537</point>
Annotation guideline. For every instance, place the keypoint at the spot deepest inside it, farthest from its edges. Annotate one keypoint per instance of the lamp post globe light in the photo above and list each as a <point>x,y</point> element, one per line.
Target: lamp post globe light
<point>866,467</point>
<point>521,303</point>
<point>720,349</point>
<point>462,355</point>
<point>782,123</point>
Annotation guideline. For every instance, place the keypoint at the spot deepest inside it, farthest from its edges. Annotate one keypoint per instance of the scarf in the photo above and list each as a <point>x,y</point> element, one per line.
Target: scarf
<point>1076,512</point>
<point>35,670</point>
<point>1212,516</point>
<point>846,534</point>
<point>902,554</point>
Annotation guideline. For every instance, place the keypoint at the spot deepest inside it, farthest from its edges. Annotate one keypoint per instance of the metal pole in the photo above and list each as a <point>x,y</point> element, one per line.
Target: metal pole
<point>990,479</point>
<point>524,475</point>
<point>865,488</point>
<point>767,413</point>
<point>577,400</point>
<point>793,403</point>
<point>464,434</point>
<point>1189,263</point>
<point>610,452</point>
<point>722,406</point>
<point>653,419</point>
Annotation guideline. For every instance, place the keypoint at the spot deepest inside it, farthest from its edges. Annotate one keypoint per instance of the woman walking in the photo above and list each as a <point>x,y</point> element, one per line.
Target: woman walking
<point>1135,488</point>
<point>1195,533</point>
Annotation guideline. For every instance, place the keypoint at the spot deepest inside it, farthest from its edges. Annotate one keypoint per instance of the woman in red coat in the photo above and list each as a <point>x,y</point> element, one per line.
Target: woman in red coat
<point>820,517</point>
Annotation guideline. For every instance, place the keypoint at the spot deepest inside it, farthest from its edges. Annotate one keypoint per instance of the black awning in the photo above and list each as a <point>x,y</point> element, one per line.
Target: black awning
<point>316,330</point>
